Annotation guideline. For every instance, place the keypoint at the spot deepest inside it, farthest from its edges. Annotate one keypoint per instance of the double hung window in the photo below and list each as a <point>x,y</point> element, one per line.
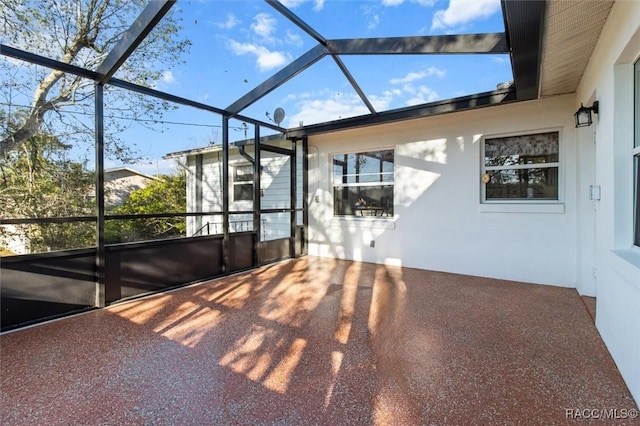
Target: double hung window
<point>363,183</point>
<point>521,167</point>
<point>243,182</point>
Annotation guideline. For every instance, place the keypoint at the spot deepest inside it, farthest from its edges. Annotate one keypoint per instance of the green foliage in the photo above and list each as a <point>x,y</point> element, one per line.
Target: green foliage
<point>41,176</point>
<point>40,181</point>
<point>165,195</point>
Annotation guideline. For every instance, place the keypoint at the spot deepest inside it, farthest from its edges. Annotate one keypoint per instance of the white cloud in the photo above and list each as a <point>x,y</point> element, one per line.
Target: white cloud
<point>369,13</point>
<point>436,71</point>
<point>293,39</point>
<point>418,75</point>
<point>167,77</point>
<point>324,105</point>
<point>423,95</point>
<point>264,25</point>
<point>321,106</point>
<point>335,107</point>
<point>231,22</point>
<point>373,22</point>
<point>265,59</point>
<point>461,12</point>
<point>412,76</point>
<point>502,59</point>
<point>292,4</point>
<point>392,3</point>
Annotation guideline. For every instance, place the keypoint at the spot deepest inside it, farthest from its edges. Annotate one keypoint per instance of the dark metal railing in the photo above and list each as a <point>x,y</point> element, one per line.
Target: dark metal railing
<point>215,228</point>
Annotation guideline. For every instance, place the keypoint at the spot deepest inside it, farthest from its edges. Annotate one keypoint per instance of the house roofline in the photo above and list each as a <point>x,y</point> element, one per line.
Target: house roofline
<point>218,147</point>
<point>129,169</point>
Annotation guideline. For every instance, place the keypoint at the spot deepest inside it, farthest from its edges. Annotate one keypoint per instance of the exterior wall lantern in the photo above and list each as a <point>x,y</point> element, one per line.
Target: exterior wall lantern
<point>583,114</point>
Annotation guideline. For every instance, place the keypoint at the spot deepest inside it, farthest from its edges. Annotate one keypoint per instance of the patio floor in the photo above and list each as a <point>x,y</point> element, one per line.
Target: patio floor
<point>317,341</point>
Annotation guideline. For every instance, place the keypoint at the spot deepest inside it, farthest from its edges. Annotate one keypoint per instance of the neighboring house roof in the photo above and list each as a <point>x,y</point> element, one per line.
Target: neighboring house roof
<point>116,172</point>
<point>119,182</point>
<point>218,147</point>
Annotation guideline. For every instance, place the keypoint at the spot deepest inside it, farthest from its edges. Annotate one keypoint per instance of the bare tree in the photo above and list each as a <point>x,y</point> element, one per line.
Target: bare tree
<point>78,32</point>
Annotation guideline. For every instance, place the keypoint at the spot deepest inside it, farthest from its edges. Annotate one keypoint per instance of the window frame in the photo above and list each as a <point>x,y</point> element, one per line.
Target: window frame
<point>334,184</point>
<point>235,182</point>
<point>560,165</point>
<point>635,156</point>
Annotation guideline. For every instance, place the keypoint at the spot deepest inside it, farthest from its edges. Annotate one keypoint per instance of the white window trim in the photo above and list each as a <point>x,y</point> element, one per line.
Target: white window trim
<point>635,154</point>
<point>382,222</point>
<point>624,257</point>
<point>525,205</point>
<point>234,182</point>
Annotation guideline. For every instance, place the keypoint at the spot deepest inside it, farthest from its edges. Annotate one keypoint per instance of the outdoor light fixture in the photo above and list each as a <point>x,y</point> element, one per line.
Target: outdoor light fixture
<point>583,114</point>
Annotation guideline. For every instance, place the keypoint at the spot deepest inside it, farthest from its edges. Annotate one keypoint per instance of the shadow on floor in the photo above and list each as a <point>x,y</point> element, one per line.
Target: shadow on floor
<point>317,341</point>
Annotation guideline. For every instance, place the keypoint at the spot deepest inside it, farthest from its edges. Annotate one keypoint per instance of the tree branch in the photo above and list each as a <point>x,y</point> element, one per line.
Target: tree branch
<point>40,106</point>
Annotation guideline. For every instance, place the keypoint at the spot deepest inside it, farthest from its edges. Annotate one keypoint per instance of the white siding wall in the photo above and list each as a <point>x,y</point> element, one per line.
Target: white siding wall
<point>609,79</point>
<point>439,221</point>
<point>274,182</point>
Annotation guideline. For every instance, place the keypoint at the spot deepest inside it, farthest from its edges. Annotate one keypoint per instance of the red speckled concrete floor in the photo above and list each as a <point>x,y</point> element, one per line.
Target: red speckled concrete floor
<point>318,341</point>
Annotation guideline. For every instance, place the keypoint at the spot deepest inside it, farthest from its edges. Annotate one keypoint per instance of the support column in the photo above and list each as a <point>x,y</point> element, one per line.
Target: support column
<point>305,194</point>
<point>225,194</point>
<point>198,196</point>
<point>293,175</point>
<point>99,192</point>
<point>257,195</point>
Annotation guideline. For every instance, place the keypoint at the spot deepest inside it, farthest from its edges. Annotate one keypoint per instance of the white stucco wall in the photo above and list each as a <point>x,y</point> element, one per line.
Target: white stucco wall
<point>440,223</point>
<point>609,79</point>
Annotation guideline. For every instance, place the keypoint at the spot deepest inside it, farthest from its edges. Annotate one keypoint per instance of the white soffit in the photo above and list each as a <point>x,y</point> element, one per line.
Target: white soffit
<point>572,29</point>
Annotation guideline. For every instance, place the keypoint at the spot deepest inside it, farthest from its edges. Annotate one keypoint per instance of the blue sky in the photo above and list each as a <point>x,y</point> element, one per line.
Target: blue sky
<point>238,44</point>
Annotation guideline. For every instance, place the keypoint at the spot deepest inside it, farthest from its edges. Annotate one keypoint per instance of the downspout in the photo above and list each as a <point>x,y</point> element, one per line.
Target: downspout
<point>244,153</point>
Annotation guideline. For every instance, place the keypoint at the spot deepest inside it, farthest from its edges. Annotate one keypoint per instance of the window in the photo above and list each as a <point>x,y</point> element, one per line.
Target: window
<point>522,167</point>
<point>363,183</point>
<point>636,155</point>
<point>243,182</point>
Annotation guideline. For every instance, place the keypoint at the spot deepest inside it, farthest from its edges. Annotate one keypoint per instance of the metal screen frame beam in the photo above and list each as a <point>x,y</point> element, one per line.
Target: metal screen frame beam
<point>293,195</point>
<point>524,23</point>
<point>33,58</point>
<point>257,195</point>
<point>353,83</point>
<point>225,195</point>
<point>297,21</point>
<point>183,101</point>
<point>305,194</point>
<point>480,100</point>
<point>100,295</point>
<point>325,43</point>
<point>131,39</point>
<point>485,43</point>
<point>277,149</point>
<point>303,62</point>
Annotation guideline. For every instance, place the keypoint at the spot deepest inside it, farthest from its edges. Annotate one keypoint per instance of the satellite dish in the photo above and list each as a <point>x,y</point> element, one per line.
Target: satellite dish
<point>278,115</point>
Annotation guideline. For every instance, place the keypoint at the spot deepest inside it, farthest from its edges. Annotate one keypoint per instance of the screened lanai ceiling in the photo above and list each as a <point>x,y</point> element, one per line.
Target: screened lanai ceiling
<point>337,64</point>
